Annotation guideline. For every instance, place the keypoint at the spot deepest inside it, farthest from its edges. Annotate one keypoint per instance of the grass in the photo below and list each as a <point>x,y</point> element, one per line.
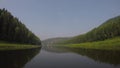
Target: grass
<point>9,46</point>
<point>110,44</point>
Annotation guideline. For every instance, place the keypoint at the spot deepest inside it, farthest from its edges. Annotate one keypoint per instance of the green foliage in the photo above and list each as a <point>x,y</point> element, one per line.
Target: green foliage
<point>109,44</point>
<point>12,30</point>
<point>9,46</point>
<point>109,29</point>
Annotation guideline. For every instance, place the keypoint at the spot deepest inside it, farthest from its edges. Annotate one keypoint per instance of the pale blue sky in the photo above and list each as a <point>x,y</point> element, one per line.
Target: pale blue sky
<point>62,18</point>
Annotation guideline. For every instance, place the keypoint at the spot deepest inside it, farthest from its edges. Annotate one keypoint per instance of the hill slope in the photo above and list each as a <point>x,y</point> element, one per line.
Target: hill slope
<point>54,40</point>
<point>13,30</point>
<point>109,29</point>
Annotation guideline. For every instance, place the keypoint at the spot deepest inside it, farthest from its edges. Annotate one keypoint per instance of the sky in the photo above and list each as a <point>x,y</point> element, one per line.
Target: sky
<point>62,18</point>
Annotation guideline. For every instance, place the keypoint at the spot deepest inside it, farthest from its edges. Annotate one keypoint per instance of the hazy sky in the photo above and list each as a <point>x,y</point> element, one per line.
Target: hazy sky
<point>61,18</point>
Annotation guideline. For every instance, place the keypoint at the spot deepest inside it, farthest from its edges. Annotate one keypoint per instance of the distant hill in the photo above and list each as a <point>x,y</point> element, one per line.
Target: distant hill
<point>54,40</point>
<point>109,29</point>
<point>14,31</point>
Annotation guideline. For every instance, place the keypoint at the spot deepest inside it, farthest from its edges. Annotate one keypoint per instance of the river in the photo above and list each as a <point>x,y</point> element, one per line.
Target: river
<point>60,58</point>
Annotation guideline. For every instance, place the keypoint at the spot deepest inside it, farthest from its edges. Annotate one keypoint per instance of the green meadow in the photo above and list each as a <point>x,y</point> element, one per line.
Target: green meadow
<point>110,44</point>
<point>9,46</point>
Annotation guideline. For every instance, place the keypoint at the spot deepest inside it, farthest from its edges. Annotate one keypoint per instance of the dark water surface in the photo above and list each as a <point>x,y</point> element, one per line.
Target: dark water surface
<point>16,58</point>
<point>59,58</point>
<point>75,58</point>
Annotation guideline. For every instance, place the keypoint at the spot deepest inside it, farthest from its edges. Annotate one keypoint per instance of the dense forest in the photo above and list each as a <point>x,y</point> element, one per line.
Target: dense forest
<point>14,31</point>
<point>109,29</point>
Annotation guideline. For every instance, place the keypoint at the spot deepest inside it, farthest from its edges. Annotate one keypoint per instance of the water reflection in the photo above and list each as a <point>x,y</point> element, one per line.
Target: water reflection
<point>17,58</point>
<point>103,56</point>
<point>111,57</point>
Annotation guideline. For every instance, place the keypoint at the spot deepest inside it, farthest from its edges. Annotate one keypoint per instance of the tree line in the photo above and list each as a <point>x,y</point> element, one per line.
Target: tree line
<point>13,30</point>
<point>109,29</point>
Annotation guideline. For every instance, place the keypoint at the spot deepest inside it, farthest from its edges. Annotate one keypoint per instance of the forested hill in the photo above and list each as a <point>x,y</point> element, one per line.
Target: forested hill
<point>14,31</point>
<point>109,29</point>
<point>54,40</point>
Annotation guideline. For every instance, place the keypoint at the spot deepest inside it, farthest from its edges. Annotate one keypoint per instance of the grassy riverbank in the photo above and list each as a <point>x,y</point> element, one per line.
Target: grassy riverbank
<point>9,46</point>
<point>110,44</point>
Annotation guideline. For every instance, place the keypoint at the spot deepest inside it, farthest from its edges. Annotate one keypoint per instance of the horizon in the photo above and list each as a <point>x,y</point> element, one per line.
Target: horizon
<point>61,18</point>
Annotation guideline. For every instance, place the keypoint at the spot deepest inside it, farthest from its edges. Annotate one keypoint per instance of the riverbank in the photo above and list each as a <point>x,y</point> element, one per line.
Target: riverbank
<point>110,44</point>
<point>10,46</point>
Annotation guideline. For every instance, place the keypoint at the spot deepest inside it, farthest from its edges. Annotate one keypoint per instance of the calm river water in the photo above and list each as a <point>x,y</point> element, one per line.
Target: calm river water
<point>59,58</point>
